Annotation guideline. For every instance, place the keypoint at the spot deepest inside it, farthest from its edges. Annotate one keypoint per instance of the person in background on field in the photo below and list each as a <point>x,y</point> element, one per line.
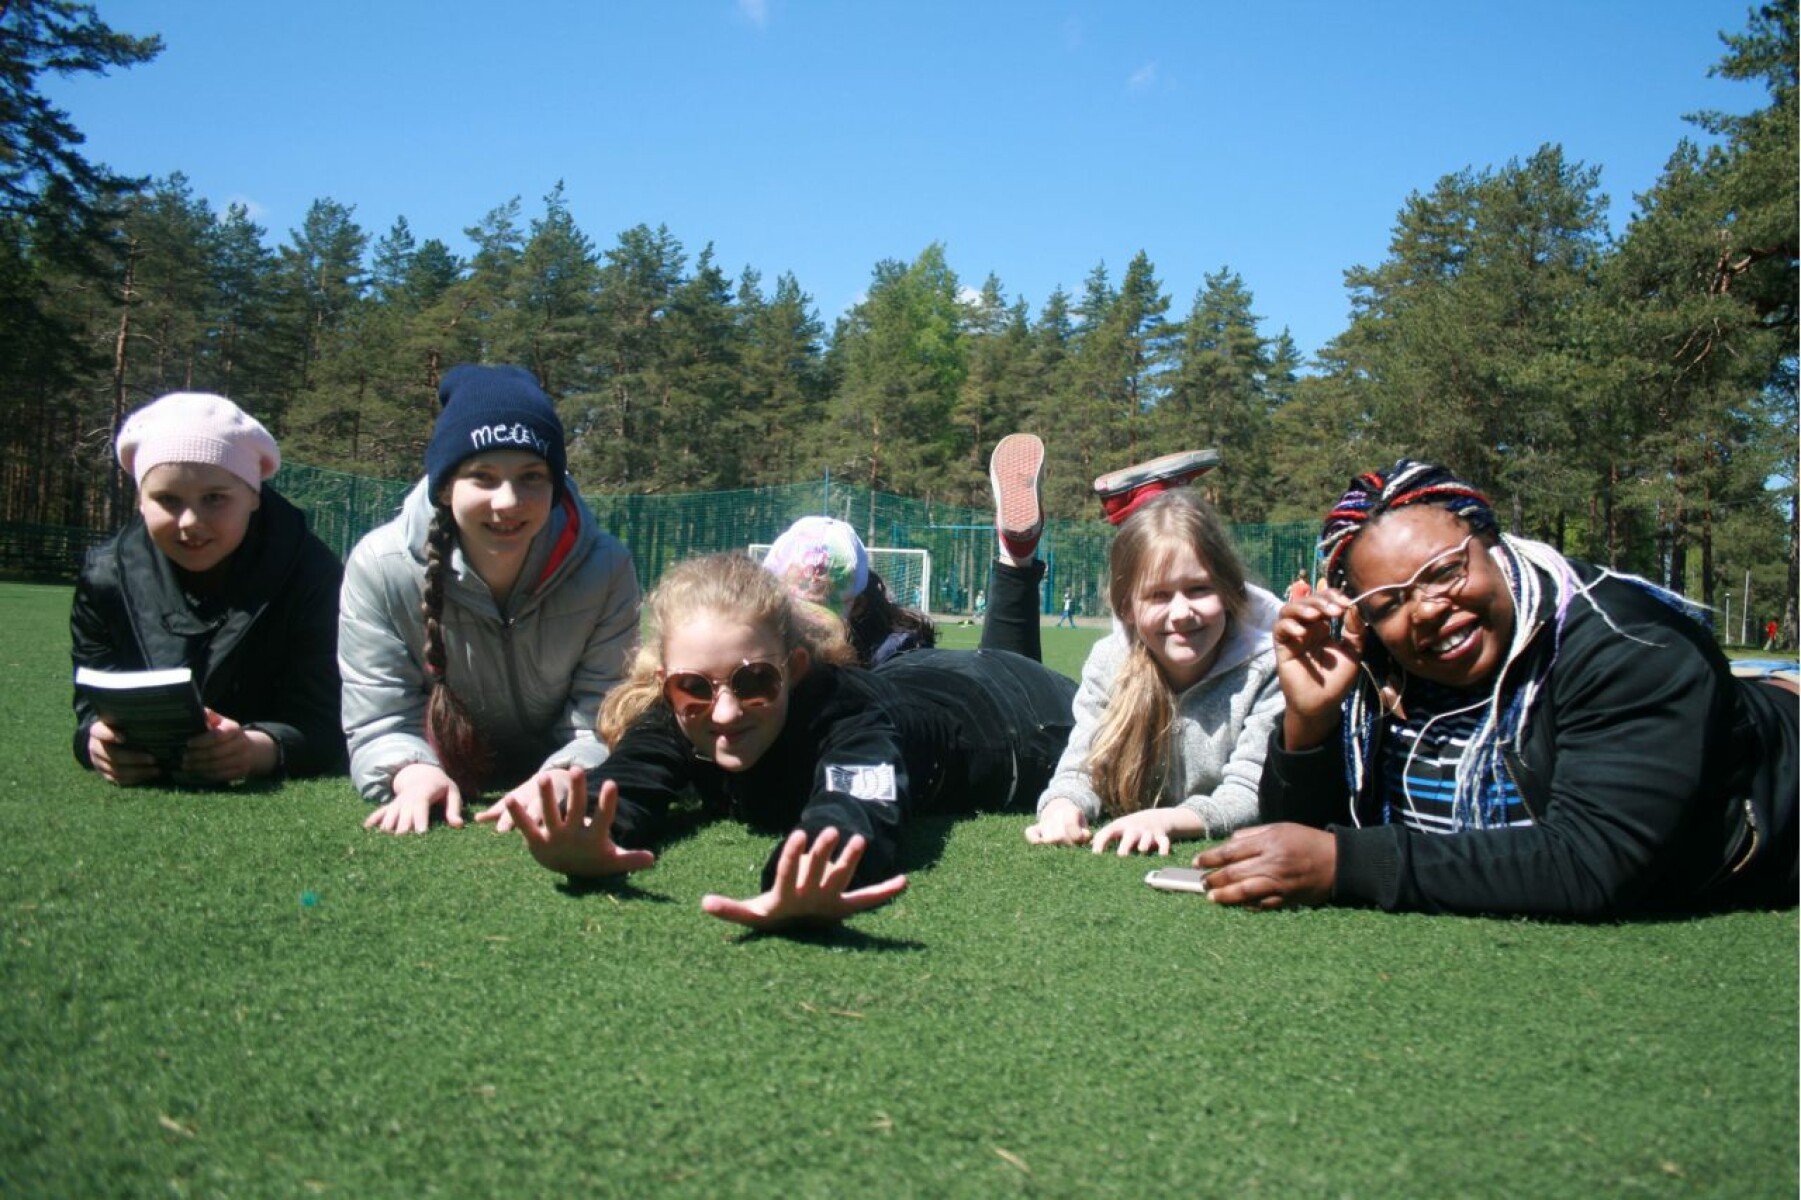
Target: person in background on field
<point>218,573</point>
<point>1477,724</point>
<point>824,562</point>
<point>1068,616</point>
<point>1770,631</point>
<point>483,626</point>
<point>1177,703</point>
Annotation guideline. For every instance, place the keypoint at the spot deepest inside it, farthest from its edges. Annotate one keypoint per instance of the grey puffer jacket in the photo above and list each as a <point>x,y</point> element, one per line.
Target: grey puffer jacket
<point>1222,730</point>
<point>532,676</point>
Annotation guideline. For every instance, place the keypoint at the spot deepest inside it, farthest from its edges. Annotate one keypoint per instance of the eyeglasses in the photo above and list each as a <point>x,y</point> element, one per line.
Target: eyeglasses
<point>753,683</point>
<point>1438,579</point>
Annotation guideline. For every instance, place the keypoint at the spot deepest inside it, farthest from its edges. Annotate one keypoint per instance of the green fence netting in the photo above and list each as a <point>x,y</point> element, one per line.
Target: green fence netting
<point>661,530</point>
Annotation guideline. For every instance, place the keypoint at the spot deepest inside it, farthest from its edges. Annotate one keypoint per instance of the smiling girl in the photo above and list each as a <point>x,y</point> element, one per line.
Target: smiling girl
<point>1176,705</point>
<point>759,709</point>
<point>1476,723</point>
<point>217,573</point>
<point>482,627</point>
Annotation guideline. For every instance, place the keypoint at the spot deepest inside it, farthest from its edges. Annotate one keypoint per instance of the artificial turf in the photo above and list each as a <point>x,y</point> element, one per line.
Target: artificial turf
<point>245,994</point>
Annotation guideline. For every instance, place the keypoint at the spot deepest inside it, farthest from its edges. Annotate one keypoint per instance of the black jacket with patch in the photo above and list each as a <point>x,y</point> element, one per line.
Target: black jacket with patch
<point>860,751</point>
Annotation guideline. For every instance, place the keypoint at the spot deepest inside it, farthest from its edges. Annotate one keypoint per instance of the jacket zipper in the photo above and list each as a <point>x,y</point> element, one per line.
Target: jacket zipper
<point>1513,777</point>
<point>506,642</point>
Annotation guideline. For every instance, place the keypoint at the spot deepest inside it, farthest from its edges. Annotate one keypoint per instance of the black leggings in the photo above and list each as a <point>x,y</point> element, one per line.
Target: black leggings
<point>1011,620</point>
<point>1037,703</point>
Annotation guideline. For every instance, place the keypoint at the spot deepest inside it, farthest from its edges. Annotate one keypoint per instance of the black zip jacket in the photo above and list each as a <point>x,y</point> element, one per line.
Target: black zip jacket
<point>861,751</point>
<point>264,654</point>
<point>1655,781</point>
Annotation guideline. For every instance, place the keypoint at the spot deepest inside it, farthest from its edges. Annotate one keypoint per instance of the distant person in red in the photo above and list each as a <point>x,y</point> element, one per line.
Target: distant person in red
<point>217,573</point>
<point>1770,631</point>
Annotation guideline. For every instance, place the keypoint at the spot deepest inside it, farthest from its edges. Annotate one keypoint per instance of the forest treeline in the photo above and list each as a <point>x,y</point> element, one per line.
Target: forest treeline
<point>1630,398</point>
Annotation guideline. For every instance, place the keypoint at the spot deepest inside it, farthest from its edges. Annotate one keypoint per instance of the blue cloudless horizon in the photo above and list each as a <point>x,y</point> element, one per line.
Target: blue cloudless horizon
<point>1033,141</point>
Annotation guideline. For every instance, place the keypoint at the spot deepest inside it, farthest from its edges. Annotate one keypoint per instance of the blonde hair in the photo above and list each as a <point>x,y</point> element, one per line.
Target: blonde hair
<point>733,585</point>
<point>1130,755</point>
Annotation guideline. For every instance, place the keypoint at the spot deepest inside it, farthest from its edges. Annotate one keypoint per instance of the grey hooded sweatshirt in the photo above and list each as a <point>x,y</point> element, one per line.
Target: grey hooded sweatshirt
<point>532,676</point>
<point>1222,725</point>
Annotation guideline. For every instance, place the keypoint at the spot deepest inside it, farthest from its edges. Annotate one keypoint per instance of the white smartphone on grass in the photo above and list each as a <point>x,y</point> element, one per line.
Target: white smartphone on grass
<point>1178,879</point>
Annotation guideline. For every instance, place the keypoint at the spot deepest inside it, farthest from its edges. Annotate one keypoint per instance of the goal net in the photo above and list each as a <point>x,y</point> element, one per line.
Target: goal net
<point>908,573</point>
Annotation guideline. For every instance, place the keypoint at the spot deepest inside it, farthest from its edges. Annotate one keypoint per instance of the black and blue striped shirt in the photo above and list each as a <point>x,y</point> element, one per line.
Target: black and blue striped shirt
<point>1420,756</point>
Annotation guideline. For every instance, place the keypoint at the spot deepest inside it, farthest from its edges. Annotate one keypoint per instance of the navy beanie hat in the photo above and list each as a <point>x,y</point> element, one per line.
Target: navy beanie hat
<point>492,408</point>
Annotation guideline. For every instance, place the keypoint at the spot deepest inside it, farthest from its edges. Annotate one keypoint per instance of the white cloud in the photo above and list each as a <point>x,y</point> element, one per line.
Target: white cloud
<point>252,209</point>
<point>969,296</point>
<point>1143,79</point>
<point>754,11</point>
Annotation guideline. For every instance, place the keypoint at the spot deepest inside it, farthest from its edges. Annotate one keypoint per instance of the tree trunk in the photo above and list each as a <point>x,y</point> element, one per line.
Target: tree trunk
<point>115,492</point>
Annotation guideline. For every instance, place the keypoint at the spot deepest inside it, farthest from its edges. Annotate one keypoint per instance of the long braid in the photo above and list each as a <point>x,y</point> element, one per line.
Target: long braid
<point>450,731</point>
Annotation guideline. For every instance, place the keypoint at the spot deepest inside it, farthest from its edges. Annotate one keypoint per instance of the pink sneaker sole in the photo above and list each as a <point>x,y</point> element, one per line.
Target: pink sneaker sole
<point>1014,471</point>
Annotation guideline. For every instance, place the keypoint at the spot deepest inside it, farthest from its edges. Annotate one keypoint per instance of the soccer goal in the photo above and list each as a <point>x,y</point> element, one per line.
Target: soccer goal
<point>908,573</point>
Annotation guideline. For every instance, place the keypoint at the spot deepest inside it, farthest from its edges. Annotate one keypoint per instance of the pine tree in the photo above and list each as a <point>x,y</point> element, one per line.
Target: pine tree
<point>1218,396</point>
<point>904,360</point>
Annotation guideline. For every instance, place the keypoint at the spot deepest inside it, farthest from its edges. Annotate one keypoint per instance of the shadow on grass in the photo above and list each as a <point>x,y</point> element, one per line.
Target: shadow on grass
<point>834,937</point>
<point>923,841</point>
<point>620,887</point>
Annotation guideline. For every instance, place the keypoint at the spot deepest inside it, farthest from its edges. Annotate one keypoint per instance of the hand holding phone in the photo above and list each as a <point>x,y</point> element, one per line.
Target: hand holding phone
<point>1178,879</point>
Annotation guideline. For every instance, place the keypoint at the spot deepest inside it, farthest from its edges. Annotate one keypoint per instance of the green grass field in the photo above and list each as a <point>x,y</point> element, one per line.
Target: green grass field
<point>244,994</point>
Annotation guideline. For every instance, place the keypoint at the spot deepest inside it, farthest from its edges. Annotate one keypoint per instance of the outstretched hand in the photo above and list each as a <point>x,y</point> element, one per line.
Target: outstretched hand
<point>1317,667</point>
<point>418,788</point>
<point>1272,866</point>
<point>1149,830</point>
<point>496,814</point>
<point>563,837</point>
<point>1059,823</point>
<point>809,887</point>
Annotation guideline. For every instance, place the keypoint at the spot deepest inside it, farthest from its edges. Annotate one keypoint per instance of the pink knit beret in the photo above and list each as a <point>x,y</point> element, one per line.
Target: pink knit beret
<point>197,427</point>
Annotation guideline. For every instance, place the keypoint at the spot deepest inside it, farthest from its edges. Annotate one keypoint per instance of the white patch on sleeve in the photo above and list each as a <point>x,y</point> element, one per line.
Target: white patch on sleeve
<point>872,783</point>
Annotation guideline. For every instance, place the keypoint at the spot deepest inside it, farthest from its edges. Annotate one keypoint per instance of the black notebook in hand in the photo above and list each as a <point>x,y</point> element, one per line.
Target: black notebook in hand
<point>154,711</point>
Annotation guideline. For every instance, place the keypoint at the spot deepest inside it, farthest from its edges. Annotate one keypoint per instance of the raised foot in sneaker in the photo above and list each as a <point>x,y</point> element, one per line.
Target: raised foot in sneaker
<point>1015,471</point>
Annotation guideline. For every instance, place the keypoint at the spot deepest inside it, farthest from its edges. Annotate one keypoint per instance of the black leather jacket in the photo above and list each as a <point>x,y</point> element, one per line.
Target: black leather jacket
<point>265,654</point>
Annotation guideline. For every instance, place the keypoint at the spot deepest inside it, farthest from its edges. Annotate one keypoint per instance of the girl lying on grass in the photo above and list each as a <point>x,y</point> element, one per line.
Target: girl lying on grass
<point>218,573</point>
<point>756,706</point>
<point>1176,706</point>
<point>1499,729</point>
<point>824,562</point>
<point>481,627</point>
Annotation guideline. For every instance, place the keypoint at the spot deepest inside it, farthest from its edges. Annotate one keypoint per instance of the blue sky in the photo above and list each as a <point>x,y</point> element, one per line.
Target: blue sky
<point>1033,140</point>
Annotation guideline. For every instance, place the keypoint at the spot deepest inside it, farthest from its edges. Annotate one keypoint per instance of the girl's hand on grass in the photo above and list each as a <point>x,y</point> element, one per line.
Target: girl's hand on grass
<point>1149,830</point>
<point>528,796</point>
<point>418,788</point>
<point>563,837</point>
<point>1270,866</point>
<point>227,751</point>
<point>115,760</point>
<point>1316,669</point>
<point>809,887</point>
<point>1060,823</point>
